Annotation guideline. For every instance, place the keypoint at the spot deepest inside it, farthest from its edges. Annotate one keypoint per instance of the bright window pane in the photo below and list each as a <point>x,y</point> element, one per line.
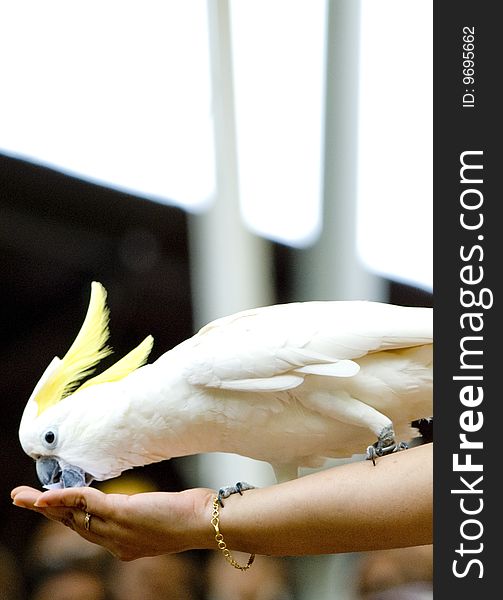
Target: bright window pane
<point>395,207</point>
<point>279,74</point>
<point>116,91</point>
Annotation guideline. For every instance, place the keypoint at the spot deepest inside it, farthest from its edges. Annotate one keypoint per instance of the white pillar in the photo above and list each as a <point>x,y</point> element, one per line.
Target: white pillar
<point>231,268</point>
<point>331,270</point>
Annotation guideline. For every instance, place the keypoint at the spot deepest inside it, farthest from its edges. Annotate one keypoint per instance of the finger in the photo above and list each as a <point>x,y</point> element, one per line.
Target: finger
<point>26,499</point>
<point>89,527</point>
<point>21,488</point>
<point>25,496</point>
<point>83,522</point>
<point>84,499</point>
<point>61,515</point>
<point>94,529</point>
<point>70,506</point>
<point>61,510</point>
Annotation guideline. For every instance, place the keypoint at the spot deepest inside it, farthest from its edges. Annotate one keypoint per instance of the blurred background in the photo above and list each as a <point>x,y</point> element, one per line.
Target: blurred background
<point>200,158</point>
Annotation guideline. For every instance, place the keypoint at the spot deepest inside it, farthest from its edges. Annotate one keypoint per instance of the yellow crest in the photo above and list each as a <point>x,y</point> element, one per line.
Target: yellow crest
<point>86,351</point>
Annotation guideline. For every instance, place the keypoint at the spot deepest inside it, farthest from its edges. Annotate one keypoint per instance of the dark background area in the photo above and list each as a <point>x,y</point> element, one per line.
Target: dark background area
<point>57,234</point>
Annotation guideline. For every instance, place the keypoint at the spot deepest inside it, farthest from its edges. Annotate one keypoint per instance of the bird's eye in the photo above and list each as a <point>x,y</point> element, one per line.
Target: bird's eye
<point>50,438</point>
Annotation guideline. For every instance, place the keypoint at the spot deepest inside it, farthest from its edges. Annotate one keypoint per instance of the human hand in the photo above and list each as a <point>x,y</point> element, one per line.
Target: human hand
<point>322,513</point>
<point>129,527</point>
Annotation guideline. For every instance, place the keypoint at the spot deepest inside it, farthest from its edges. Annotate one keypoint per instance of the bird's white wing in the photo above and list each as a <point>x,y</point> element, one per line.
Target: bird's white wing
<point>273,348</point>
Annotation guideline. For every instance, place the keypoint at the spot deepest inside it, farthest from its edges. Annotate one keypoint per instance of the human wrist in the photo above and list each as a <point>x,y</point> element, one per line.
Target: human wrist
<point>221,543</point>
<point>200,530</point>
<point>238,524</point>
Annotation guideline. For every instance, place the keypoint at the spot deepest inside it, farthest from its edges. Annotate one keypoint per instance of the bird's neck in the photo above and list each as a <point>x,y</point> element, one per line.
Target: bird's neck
<point>170,418</point>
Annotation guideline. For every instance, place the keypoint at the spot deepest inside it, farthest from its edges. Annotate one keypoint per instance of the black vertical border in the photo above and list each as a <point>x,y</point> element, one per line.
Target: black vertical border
<point>461,125</point>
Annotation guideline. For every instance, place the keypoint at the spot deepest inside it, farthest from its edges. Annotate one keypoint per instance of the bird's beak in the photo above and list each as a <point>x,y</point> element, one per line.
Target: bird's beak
<point>53,473</point>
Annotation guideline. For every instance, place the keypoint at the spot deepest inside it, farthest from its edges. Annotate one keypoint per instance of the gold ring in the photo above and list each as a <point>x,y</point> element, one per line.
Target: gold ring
<point>87,522</point>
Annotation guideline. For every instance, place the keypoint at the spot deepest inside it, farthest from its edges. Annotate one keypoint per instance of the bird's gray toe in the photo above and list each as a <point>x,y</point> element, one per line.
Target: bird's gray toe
<point>238,488</point>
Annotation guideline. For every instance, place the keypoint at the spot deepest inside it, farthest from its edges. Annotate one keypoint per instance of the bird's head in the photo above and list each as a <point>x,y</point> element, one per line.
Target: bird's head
<point>60,427</point>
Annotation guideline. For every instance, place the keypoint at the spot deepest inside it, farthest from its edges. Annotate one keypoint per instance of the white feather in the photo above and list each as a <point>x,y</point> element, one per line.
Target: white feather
<point>289,384</point>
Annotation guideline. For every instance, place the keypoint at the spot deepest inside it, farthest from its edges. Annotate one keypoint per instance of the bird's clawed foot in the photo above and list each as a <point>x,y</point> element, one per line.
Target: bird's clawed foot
<point>386,444</point>
<point>239,488</point>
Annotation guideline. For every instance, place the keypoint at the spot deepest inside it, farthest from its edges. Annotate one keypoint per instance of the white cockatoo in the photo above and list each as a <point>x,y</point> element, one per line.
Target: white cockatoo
<point>290,384</point>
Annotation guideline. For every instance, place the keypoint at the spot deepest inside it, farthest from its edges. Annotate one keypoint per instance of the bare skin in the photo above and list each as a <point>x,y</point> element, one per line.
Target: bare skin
<point>352,507</point>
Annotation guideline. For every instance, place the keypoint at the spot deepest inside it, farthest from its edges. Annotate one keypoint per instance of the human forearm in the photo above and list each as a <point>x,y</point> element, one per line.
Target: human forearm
<point>352,507</point>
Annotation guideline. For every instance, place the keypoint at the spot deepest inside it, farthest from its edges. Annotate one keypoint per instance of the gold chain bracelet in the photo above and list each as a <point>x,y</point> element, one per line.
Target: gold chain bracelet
<point>219,538</point>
